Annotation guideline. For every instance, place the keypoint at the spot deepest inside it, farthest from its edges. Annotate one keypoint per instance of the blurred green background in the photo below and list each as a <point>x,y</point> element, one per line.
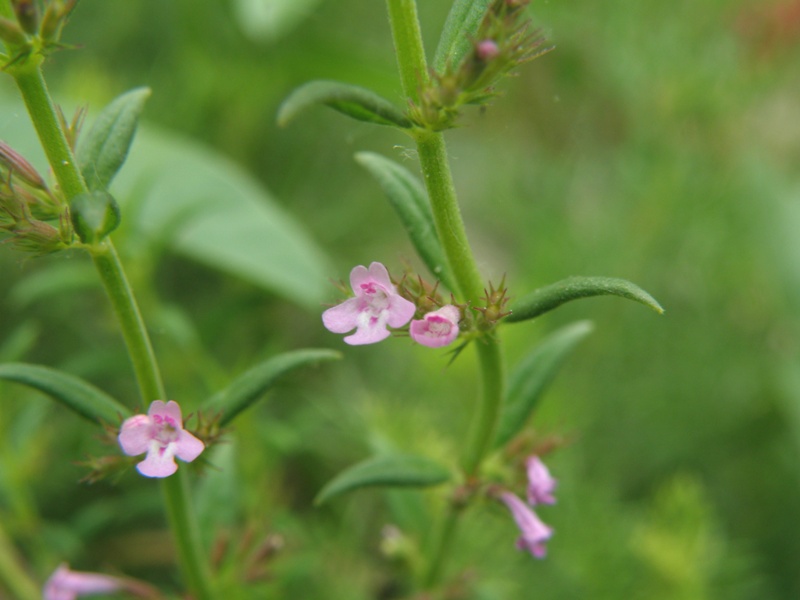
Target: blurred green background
<point>658,142</point>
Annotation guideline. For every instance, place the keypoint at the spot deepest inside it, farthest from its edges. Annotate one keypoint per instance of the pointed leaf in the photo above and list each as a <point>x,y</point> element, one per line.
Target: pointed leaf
<point>75,393</point>
<point>409,200</point>
<point>251,385</point>
<point>354,101</point>
<point>395,470</point>
<point>552,296</point>
<point>533,374</point>
<point>462,22</point>
<point>105,148</point>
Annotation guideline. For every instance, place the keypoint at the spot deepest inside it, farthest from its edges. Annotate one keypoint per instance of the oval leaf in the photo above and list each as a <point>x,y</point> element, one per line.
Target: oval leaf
<point>409,200</point>
<point>395,470</point>
<point>251,385</point>
<point>462,22</point>
<point>94,215</point>
<point>75,393</point>
<point>532,376</point>
<point>354,101</point>
<point>106,146</point>
<point>552,296</point>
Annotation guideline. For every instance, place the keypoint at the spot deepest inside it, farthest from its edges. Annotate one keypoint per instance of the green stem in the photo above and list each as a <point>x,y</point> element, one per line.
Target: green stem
<point>408,45</point>
<point>12,573</point>
<point>130,319</point>
<point>452,234</point>
<point>180,513</point>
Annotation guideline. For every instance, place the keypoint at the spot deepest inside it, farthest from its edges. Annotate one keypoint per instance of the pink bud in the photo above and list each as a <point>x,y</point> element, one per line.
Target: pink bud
<point>487,50</point>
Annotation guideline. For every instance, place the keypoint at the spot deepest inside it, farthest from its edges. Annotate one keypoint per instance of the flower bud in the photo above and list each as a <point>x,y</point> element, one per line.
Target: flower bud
<point>94,215</point>
<point>27,14</point>
<point>20,167</point>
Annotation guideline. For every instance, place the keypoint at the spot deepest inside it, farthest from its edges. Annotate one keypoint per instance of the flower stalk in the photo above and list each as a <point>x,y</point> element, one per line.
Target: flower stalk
<point>452,235</point>
<point>28,75</point>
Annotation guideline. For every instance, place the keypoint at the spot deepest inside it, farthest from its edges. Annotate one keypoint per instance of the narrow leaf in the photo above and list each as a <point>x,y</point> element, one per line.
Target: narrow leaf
<point>552,296</point>
<point>251,385</point>
<point>462,22</point>
<point>533,374</point>
<point>75,393</point>
<point>409,200</point>
<point>354,101</point>
<point>395,470</point>
<point>105,148</point>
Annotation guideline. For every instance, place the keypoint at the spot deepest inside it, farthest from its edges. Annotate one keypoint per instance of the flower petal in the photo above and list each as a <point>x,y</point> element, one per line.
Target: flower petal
<point>65,584</point>
<point>160,462</point>
<point>368,334</point>
<point>188,447</point>
<point>342,317</point>
<point>135,435</point>
<point>358,276</point>
<point>172,410</point>
<point>380,275</point>
<point>400,311</point>
<point>541,484</point>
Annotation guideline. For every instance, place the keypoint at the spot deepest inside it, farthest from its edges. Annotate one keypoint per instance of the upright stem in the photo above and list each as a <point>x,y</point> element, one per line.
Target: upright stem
<point>452,234</point>
<point>12,573</point>
<point>180,513</point>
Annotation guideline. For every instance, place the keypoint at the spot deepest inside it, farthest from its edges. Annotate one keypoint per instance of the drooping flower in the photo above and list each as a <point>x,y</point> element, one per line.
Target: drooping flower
<point>541,484</point>
<point>437,328</point>
<point>534,533</point>
<point>65,584</point>
<point>160,433</point>
<point>376,306</point>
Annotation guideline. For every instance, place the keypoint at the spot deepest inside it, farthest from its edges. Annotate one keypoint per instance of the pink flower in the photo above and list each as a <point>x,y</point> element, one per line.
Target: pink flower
<point>376,305</point>
<point>437,328</point>
<point>540,483</point>
<point>534,532</point>
<point>160,433</point>
<point>69,585</point>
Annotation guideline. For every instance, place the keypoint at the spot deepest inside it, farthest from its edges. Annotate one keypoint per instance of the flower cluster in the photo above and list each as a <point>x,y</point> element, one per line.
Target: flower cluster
<point>534,533</point>
<point>161,435</point>
<point>377,305</point>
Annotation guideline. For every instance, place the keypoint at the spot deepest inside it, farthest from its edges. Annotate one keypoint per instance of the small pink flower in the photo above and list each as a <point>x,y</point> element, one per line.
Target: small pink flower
<point>376,305</point>
<point>487,50</point>
<point>160,433</point>
<point>69,585</point>
<point>540,483</point>
<point>437,328</point>
<point>534,532</point>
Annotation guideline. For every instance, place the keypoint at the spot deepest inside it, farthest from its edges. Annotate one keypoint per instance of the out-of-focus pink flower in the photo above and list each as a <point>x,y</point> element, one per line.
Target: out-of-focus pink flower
<point>540,483</point>
<point>160,433</point>
<point>65,584</point>
<point>534,532</point>
<point>437,328</point>
<point>376,306</point>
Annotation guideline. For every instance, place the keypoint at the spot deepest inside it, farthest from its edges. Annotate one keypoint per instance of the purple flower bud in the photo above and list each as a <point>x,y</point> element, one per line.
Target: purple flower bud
<point>540,483</point>
<point>69,585</point>
<point>534,532</point>
<point>376,306</point>
<point>160,433</point>
<point>438,328</point>
<point>487,50</point>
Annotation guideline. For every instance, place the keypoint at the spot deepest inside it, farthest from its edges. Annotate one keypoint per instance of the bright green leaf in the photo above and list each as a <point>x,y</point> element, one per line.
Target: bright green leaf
<point>75,393</point>
<point>251,385</point>
<point>394,470</point>
<point>462,22</point>
<point>94,215</point>
<point>533,374</point>
<point>354,101</point>
<point>105,147</point>
<point>409,200</point>
<point>552,296</point>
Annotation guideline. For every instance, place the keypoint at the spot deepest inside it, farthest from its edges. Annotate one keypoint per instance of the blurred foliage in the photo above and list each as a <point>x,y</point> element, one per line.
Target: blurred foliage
<point>657,143</point>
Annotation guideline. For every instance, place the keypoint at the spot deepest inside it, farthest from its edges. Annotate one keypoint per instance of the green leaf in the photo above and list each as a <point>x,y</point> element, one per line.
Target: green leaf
<point>75,393</point>
<point>354,101</point>
<point>394,470</point>
<point>251,385</point>
<point>533,374</point>
<point>94,215</point>
<point>552,296</point>
<point>202,206</point>
<point>105,147</point>
<point>462,22</point>
<point>409,200</point>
